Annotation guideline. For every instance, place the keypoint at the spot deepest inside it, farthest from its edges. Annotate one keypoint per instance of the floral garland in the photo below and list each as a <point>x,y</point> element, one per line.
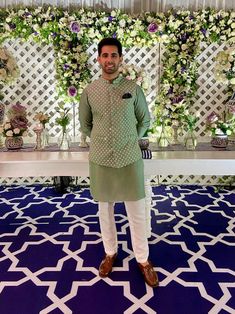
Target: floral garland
<point>72,32</point>
<point>225,68</point>
<point>9,70</point>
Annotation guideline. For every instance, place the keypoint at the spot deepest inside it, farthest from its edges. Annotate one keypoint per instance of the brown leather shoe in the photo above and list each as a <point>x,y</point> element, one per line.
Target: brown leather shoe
<point>107,265</point>
<point>150,276</point>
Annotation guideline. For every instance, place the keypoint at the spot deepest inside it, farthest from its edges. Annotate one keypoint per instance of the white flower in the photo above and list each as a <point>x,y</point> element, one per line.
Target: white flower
<point>130,72</point>
<point>232,81</point>
<point>9,133</point>
<point>7,126</point>
<point>184,47</point>
<point>113,13</point>
<point>16,131</point>
<point>122,23</point>
<point>105,19</point>
<point>133,33</point>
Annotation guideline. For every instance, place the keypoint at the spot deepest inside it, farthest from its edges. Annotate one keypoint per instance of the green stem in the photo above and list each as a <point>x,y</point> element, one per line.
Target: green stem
<point>63,135</point>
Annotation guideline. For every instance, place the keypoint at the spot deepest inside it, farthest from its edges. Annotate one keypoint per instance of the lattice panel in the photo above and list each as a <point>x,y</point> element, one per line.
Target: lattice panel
<point>211,95</point>
<point>36,86</point>
<point>40,180</point>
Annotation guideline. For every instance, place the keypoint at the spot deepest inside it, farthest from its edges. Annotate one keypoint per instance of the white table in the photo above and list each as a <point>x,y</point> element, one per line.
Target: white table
<point>46,163</point>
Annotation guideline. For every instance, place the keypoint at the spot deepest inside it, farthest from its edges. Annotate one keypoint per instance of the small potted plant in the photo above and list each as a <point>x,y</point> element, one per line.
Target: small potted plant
<point>220,128</point>
<point>144,140</point>
<point>15,127</point>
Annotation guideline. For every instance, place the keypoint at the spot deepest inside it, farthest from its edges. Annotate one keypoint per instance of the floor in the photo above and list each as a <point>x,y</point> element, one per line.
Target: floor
<point>51,249</point>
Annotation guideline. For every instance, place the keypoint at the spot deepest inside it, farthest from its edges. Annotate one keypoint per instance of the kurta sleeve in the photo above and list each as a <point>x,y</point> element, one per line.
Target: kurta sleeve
<point>141,112</point>
<point>85,114</point>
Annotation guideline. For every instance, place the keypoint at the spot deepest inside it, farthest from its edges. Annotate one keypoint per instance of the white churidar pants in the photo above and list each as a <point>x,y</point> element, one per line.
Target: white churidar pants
<point>137,221</point>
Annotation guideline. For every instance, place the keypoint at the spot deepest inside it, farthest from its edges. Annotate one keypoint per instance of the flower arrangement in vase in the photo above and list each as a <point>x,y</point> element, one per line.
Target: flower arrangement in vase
<point>43,119</point>
<point>221,127</point>
<point>189,122</point>
<point>15,126</point>
<point>63,120</point>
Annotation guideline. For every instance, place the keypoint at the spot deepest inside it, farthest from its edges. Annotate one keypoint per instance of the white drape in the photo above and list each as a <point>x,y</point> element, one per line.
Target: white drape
<point>133,6</point>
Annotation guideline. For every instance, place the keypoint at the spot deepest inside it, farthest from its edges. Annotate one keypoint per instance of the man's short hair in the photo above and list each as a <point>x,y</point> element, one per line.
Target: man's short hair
<point>110,42</point>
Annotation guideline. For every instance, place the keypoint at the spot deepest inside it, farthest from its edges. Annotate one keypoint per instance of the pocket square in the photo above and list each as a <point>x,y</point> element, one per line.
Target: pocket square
<point>126,96</point>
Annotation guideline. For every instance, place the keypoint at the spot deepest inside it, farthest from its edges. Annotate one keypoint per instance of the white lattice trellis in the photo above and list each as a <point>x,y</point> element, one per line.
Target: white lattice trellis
<point>36,88</point>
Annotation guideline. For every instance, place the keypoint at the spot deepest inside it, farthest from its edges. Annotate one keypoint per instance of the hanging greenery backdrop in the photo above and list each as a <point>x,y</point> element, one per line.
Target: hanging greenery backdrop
<point>72,32</point>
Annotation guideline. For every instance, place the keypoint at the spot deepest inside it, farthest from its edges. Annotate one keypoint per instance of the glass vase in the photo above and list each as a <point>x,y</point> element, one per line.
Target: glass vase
<point>163,138</point>
<point>64,140</point>
<point>190,140</point>
<point>44,137</point>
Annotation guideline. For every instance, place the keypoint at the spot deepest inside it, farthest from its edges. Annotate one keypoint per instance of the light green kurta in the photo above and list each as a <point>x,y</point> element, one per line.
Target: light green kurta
<point>115,115</point>
<point>117,184</point>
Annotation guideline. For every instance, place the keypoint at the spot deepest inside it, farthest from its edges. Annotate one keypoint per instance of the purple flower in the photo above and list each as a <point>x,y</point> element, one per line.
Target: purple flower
<point>170,90</point>
<point>152,28</point>
<point>184,38</point>
<point>114,35</point>
<point>19,122</point>
<point>213,117</point>
<point>183,69</point>
<point>72,91</point>
<point>12,25</point>
<point>66,66</point>
<point>26,14</point>
<point>231,109</point>
<point>75,27</point>
<point>203,30</point>
<point>177,99</point>
<point>17,108</point>
<point>110,18</point>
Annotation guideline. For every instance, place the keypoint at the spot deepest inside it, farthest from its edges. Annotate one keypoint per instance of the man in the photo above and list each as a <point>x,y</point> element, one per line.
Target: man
<point>114,114</point>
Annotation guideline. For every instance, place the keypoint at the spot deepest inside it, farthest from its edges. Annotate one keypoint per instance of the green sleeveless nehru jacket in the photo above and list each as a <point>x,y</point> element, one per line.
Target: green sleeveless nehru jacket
<point>114,115</point>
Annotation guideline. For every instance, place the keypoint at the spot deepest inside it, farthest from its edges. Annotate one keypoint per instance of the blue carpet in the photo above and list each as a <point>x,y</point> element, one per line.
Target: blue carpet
<point>51,249</point>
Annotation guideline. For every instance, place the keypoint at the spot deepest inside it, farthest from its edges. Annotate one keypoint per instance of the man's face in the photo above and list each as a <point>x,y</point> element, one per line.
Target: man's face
<point>109,59</point>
